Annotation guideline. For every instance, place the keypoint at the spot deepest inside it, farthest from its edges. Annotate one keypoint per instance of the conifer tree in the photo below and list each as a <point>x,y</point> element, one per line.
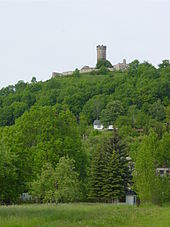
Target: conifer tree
<point>120,147</point>
<point>113,182</point>
<point>96,178</point>
<point>110,175</point>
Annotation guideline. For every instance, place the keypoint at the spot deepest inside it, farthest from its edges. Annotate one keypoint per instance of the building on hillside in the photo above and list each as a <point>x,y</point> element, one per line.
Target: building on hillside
<point>101,55</point>
<point>97,125</point>
<point>54,74</point>
<point>110,127</point>
<point>87,69</point>
<point>121,66</point>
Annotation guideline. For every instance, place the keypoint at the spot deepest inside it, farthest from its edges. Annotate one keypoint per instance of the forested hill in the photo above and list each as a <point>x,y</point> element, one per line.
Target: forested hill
<point>46,134</point>
<point>139,95</point>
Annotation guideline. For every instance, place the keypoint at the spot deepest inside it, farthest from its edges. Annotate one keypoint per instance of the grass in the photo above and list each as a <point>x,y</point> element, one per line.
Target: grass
<point>84,215</point>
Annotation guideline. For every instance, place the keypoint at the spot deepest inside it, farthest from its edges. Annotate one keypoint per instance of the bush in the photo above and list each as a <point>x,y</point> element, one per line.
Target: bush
<point>104,63</point>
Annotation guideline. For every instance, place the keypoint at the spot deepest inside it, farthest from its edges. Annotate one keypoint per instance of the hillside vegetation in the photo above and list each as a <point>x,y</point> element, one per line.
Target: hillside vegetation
<point>46,136</point>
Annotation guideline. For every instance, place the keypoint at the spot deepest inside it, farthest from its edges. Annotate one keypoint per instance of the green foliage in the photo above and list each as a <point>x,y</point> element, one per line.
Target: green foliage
<point>92,109</point>
<point>103,70</point>
<point>103,63</point>
<point>163,151</point>
<point>33,80</point>
<point>112,111</point>
<point>8,175</point>
<point>96,173</point>
<point>57,185</point>
<point>164,64</point>
<point>167,113</point>
<point>76,73</point>
<point>40,122</point>
<point>110,174</point>
<point>43,189</point>
<point>113,183</point>
<point>157,111</point>
<point>6,116</point>
<point>150,187</point>
<point>68,189</point>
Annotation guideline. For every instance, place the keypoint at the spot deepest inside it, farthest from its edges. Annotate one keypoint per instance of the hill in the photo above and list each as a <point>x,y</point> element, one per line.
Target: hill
<point>40,122</point>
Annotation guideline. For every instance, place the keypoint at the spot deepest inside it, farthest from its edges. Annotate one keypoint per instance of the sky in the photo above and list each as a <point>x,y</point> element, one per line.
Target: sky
<point>38,37</point>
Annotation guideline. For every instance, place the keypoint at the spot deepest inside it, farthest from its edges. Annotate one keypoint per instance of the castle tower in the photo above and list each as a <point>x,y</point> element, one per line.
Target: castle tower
<point>101,52</point>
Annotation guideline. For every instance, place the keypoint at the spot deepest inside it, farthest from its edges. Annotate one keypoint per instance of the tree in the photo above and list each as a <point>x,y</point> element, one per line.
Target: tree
<point>157,111</point>
<point>76,73</point>
<point>92,109</point>
<point>113,183</point>
<point>68,188</point>
<point>20,86</point>
<point>8,176</point>
<point>163,151</point>
<point>57,185</point>
<point>103,70</point>
<point>110,173</point>
<point>116,144</point>
<point>164,64</point>
<point>138,119</point>
<point>149,186</point>
<point>97,171</point>
<point>167,113</point>
<point>104,63</point>
<point>112,111</point>
<point>133,67</point>
<point>33,80</point>
<point>43,189</point>
<point>18,108</point>
<point>6,116</point>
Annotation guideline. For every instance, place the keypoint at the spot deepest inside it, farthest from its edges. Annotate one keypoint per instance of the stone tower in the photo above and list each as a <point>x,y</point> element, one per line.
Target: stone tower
<point>101,52</point>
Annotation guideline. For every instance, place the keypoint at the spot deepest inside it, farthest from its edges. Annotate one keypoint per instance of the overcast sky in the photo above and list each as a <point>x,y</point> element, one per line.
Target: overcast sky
<point>38,37</point>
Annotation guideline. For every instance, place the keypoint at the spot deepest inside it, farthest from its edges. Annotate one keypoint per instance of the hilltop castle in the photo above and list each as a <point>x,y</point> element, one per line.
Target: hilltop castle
<point>101,55</point>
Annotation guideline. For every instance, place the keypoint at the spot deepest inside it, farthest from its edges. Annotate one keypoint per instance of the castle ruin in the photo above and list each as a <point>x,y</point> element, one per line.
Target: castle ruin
<point>101,55</point>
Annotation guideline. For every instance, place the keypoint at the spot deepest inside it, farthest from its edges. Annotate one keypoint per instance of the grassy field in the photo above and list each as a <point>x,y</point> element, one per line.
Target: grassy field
<point>84,215</point>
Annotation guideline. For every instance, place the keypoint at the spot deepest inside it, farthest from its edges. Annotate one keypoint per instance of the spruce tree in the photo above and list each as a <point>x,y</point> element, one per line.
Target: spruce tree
<point>120,148</point>
<point>96,178</point>
<point>110,175</point>
<point>113,182</point>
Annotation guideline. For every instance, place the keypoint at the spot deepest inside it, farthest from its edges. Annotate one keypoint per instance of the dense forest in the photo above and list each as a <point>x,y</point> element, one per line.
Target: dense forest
<point>48,146</point>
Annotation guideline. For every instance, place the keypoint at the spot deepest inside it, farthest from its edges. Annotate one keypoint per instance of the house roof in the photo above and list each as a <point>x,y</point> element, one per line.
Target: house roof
<point>85,67</point>
<point>96,122</point>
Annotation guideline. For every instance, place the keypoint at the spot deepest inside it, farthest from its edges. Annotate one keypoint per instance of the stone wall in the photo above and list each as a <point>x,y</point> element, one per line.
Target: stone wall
<point>121,66</point>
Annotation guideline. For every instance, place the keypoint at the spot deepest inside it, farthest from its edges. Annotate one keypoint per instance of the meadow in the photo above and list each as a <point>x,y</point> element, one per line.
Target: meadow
<point>84,214</point>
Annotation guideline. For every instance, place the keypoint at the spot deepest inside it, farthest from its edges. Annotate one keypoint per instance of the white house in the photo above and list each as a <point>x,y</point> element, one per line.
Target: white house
<point>110,127</point>
<point>97,125</point>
